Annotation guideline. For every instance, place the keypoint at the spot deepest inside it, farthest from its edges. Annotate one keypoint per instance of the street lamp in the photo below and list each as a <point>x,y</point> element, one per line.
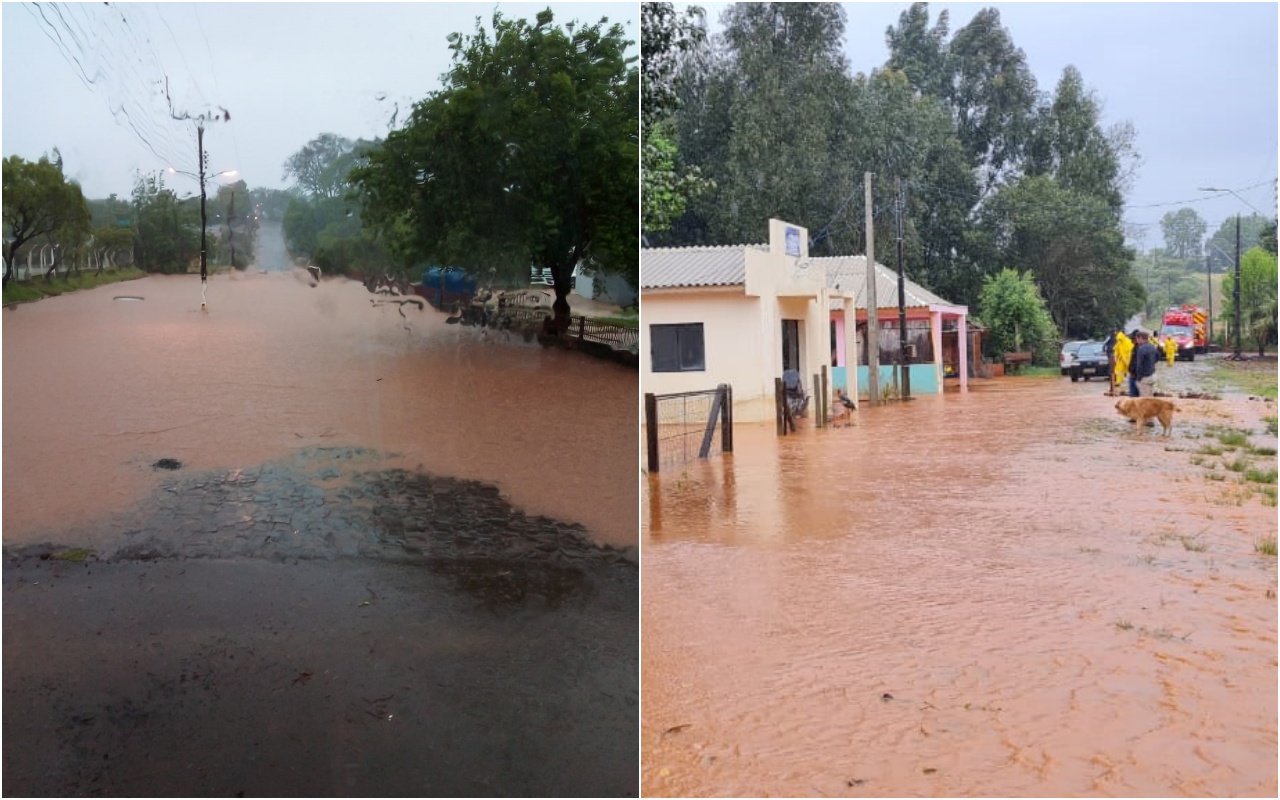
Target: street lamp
<point>1235,288</point>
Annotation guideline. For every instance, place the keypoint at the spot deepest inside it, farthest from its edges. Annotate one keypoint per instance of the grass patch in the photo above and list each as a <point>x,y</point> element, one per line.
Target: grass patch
<point>1233,438</point>
<point>1262,451</point>
<point>1124,625</point>
<point>37,288</point>
<point>1251,377</point>
<point>1215,476</point>
<point>1239,465</point>
<point>75,554</point>
<point>1258,476</point>
<point>1038,372</point>
<point>1193,544</point>
<point>1271,425</point>
<point>622,322</point>
<point>1268,496</point>
<point>1266,546</point>
<point>1210,450</point>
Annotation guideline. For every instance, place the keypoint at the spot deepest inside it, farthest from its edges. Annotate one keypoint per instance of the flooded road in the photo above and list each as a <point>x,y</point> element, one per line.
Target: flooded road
<point>96,390</point>
<point>1000,593</point>
<point>305,545</point>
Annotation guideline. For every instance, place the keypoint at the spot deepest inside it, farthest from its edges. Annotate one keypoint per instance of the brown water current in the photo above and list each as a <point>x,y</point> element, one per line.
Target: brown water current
<point>1001,593</point>
<point>97,389</point>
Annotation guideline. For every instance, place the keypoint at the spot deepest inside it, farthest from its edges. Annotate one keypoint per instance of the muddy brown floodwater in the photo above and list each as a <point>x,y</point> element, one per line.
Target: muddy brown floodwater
<point>1004,593</point>
<point>307,545</point>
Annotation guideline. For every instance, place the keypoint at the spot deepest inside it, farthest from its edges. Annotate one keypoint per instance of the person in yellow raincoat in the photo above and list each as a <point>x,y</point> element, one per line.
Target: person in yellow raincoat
<point>1123,351</point>
<point>1170,349</point>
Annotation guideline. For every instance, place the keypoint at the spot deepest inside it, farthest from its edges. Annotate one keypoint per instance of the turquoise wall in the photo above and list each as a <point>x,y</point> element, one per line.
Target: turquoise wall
<point>924,378</point>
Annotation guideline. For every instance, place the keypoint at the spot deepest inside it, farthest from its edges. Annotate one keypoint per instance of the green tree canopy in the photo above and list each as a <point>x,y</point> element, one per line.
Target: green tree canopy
<point>1183,231</point>
<point>528,156</point>
<point>1221,248</point>
<point>40,202</point>
<point>1073,245</point>
<point>1016,317</point>
<point>167,230</point>
<point>1258,307</point>
<point>666,38</point>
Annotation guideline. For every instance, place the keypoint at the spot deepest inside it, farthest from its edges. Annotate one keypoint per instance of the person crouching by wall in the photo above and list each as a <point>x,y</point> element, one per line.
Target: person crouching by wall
<point>1142,367</point>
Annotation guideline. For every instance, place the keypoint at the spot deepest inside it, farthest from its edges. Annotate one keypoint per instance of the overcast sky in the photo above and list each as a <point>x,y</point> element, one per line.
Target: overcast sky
<point>1197,80</point>
<point>286,72</point>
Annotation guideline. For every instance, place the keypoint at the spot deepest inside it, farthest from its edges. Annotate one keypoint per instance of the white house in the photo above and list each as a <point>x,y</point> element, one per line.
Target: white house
<point>739,315</point>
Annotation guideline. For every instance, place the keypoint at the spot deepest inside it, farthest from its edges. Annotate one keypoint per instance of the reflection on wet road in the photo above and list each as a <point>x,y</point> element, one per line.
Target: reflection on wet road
<point>1004,593</point>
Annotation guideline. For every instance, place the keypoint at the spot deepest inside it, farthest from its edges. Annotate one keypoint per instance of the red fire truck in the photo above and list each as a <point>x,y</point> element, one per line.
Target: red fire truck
<point>1186,326</point>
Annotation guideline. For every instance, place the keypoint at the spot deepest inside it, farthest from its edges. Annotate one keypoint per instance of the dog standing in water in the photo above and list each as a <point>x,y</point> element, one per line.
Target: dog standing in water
<point>1143,409</point>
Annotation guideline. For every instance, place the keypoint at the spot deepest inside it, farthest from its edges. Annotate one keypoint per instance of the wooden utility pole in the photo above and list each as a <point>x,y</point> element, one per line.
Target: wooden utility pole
<point>204,272</point>
<point>873,324</point>
<point>904,368</point>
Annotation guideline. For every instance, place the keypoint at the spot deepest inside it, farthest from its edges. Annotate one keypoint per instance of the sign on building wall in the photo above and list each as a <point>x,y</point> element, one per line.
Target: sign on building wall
<point>793,241</point>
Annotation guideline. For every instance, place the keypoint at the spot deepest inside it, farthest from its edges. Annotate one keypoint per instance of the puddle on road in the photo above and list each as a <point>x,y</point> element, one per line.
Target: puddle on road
<point>92,399</point>
<point>1010,567</point>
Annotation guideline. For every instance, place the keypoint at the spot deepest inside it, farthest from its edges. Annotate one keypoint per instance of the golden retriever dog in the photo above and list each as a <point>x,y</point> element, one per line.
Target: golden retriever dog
<point>1143,409</point>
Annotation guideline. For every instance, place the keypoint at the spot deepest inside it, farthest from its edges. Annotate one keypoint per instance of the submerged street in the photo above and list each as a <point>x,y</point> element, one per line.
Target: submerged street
<point>1000,593</point>
<point>305,545</point>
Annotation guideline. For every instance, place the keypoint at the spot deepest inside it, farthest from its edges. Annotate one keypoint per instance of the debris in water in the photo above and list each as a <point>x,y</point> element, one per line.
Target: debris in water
<point>167,463</point>
<point>677,729</point>
<point>886,697</point>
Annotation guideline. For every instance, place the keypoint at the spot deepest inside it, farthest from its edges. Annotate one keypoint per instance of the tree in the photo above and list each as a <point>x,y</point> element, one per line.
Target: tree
<point>1221,248</point>
<point>1067,142</point>
<point>1015,316</point>
<point>1074,246</point>
<point>919,51</point>
<point>167,231</point>
<point>766,120</point>
<point>40,202</point>
<point>666,187</point>
<point>1167,281</point>
<point>1258,307</point>
<point>528,155</point>
<point>320,168</point>
<point>992,95</point>
<point>1183,234</point>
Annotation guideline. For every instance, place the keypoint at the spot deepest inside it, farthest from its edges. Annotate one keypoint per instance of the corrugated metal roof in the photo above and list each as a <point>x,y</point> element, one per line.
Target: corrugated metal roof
<point>675,267</point>
<point>849,273</point>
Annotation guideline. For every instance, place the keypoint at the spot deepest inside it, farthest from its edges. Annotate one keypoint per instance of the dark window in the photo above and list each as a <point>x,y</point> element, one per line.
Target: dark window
<point>677,348</point>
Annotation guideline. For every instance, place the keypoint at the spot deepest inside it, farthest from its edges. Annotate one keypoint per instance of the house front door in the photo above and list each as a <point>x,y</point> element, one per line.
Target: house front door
<point>791,345</point>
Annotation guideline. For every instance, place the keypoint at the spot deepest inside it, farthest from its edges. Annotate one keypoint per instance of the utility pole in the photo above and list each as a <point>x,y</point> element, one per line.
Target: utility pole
<point>1208,275</point>
<point>1235,290</point>
<point>873,324</point>
<point>231,231</point>
<point>204,272</point>
<point>903,367</point>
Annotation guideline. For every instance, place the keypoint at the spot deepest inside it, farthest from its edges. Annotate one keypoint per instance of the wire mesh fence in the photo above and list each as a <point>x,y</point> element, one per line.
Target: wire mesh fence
<point>688,425</point>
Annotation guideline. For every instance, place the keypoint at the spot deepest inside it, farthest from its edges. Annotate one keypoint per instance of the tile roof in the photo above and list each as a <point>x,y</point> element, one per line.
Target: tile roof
<point>849,273</point>
<point>677,267</point>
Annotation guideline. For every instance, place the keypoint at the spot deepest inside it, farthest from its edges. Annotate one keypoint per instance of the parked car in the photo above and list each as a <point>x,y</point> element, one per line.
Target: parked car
<point>1090,360</point>
<point>1064,358</point>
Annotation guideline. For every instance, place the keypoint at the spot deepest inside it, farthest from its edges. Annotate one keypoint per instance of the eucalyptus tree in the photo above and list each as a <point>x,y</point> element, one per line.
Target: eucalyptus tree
<point>1068,143</point>
<point>992,95</point>
<point>667,39</point>
<point>527,155</point>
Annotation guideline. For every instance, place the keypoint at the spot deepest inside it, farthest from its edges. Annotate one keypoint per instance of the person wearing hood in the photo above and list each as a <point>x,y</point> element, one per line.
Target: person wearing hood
<point>1122,351</point>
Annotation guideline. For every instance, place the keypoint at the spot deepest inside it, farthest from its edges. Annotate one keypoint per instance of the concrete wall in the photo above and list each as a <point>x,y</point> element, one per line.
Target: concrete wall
<point>735,342</point>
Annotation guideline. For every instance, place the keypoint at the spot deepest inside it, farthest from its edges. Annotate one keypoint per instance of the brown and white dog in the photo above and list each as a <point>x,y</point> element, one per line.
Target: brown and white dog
<point>1143,409</point>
